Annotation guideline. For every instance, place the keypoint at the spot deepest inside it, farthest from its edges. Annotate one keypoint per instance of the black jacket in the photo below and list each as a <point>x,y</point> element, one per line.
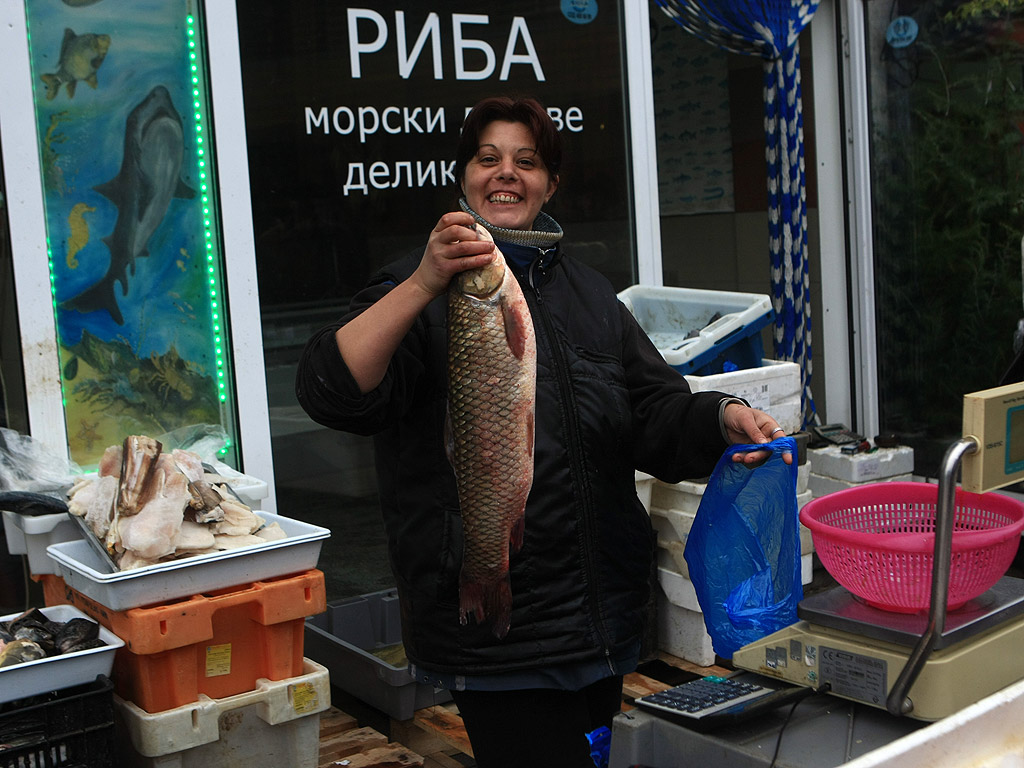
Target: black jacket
<point>606,403</point>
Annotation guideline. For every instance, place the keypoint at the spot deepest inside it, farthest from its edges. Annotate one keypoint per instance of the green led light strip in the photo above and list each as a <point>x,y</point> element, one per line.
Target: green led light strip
<point>208,235</point>
<point>53,299</point>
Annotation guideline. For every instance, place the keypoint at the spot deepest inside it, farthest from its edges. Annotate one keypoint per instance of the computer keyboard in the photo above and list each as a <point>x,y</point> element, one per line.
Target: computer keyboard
<point>712,701</point>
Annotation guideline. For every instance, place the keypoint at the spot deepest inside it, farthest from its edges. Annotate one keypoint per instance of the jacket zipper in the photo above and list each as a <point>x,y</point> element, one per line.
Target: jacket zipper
<point>564,385</point>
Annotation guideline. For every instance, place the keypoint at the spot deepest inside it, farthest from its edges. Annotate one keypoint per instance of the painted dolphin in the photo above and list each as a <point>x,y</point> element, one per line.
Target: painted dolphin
<point>142,191</point>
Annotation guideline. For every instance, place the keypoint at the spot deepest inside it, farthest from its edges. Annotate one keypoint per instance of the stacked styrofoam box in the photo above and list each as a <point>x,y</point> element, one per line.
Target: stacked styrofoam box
<point>773,388</point>
<point>681,628</point>
<point>644,487</point>
<point>834,470</point>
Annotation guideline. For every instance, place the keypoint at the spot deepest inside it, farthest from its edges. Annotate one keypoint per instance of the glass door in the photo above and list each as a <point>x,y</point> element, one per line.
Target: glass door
<point>947,175</point>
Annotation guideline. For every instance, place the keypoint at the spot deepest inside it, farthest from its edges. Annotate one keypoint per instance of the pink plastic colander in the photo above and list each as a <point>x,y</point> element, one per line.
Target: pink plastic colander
<point>878,541</point>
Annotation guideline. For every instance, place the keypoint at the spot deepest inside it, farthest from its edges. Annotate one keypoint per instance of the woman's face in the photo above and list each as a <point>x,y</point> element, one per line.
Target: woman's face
<point>507,182</point>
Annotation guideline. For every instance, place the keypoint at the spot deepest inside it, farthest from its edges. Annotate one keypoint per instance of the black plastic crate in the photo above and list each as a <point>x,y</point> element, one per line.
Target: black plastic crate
<point>72,728</point>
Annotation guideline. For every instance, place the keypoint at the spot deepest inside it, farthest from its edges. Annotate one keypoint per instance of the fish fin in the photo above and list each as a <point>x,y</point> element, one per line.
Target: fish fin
<point>530,432</point>
<point>184,191</point>
<point>487,601</point>
<point>111,191</point>
<point>515,331</point>
<point>91,81</point>
<point>69,38</point>
<point>52,86</point>
<point>515,539</point>
<point>71,88</point>
<point>449,437</point>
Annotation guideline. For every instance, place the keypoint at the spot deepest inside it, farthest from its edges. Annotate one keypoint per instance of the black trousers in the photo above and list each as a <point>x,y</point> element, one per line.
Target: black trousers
<point>537,727</point>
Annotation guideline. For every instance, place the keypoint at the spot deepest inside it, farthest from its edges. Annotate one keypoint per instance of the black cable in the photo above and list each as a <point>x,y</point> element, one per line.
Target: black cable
<point>789,715</point>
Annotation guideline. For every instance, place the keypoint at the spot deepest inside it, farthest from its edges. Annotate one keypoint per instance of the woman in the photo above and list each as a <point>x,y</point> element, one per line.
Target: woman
<point>606,404</point>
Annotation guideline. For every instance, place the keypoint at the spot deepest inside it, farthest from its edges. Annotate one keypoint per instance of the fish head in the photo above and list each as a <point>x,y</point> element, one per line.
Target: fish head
<point>483,282</point>
<point>102,45</point>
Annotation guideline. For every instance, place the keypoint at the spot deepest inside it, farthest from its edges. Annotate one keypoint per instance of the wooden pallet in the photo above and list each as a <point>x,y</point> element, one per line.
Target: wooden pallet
<point>344,743</point>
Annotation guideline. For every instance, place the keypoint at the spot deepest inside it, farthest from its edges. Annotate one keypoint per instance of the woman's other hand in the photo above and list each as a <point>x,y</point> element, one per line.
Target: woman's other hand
<point>750,425</point>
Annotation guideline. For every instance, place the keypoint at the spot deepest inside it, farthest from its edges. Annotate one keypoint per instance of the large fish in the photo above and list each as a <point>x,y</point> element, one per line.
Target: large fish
<point>142,191</point>
<point>492,376</point>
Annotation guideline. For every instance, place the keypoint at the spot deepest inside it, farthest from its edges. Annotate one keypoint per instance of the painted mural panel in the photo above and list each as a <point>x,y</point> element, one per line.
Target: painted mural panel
<point>120,99</point>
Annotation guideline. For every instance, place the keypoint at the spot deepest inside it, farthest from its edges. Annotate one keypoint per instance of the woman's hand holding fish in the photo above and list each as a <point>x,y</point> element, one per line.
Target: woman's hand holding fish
<point>368,342</point>
<point>453,246</point>
<point>749,425</point>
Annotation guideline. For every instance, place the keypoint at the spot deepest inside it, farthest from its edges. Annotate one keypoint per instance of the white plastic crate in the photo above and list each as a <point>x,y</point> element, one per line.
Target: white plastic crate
<point>679,322</point>
<point>277,723</point>
<point>774,388</point>
<point>878,464</point>
<point>31,535</point>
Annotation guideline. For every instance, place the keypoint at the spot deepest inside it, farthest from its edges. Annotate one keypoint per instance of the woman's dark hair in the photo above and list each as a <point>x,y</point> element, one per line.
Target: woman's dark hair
<point>515,110</point>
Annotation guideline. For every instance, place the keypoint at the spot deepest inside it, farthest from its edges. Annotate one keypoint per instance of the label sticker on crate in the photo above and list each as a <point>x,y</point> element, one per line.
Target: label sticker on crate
<point>218,660</point>
<point>305,698</point>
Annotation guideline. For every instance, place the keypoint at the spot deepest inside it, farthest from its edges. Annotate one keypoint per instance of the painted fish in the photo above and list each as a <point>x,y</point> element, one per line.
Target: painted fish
<point>142,191</point>
<point>80,57</point>
<point>492,375</point>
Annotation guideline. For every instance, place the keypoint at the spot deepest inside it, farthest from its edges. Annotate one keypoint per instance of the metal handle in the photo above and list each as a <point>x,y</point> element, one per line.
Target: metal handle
<point>898,703</point>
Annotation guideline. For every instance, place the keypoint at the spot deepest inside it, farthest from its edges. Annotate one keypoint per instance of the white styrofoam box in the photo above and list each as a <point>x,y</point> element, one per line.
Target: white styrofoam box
<point>773,388</point>
<point>686,495</point>
<point>644,486</point>
<point>276,723</point>
<point>681,628</point>
<point>678,589</point>
<point>31,535</point>
<point>822,485</point>
<point>80,568</point>
<point>879,464</point>
<point>673,525</point>
<point>62,671</point>
<point>682,633</point>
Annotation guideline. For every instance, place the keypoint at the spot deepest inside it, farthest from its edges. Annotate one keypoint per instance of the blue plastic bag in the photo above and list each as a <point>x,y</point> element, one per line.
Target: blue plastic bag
<point>743,550</point>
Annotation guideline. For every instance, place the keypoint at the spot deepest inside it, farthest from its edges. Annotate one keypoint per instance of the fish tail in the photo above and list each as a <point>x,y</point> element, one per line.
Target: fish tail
<point>491,600</point>
<point>52,86</point>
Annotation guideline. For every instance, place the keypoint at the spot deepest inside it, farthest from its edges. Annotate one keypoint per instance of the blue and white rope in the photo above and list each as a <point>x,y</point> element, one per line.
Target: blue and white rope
<point>755,28</point>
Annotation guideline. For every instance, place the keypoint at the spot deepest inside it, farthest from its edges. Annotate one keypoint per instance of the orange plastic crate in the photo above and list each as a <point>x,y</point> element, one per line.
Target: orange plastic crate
<point>218,643</point>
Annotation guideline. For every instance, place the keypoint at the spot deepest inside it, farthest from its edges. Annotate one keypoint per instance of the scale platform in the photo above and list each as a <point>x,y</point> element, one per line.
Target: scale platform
<point>855,651</point>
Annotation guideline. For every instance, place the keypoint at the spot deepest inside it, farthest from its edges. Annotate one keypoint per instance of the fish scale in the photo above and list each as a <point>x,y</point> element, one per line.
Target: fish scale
<point>491,391</point>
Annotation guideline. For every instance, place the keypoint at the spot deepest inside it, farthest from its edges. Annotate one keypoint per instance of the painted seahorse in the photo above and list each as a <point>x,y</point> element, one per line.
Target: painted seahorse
<point>79,228</point>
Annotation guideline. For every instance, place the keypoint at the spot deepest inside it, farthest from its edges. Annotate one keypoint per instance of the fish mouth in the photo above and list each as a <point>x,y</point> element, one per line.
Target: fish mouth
<point>504,197</point>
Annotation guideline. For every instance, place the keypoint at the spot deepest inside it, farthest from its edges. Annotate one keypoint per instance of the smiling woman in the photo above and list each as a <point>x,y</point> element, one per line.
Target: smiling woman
<point>509,178</point>
<point>563,583</point>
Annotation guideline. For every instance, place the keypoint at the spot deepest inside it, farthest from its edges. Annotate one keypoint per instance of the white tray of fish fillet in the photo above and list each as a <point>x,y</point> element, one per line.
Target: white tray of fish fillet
<point>81,570</point>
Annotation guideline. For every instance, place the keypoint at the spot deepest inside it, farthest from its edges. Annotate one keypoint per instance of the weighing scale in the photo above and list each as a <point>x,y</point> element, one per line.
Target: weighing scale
<point>921,666</point>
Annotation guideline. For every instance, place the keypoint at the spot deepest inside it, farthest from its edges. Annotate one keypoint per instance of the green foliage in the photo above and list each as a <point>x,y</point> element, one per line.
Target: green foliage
<point>948,213</point>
